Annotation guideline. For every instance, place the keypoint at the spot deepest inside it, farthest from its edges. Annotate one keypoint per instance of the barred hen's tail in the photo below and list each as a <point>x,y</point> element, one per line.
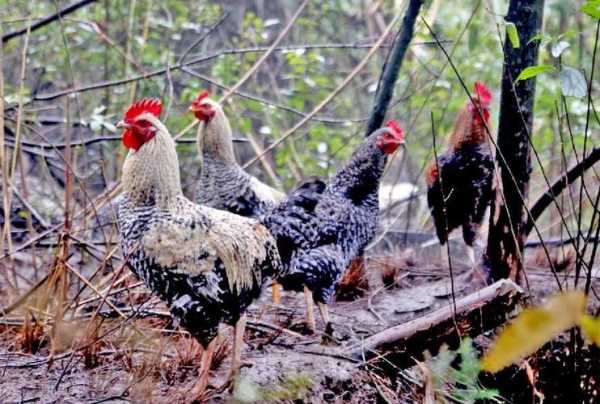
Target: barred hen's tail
<point>319,269</point>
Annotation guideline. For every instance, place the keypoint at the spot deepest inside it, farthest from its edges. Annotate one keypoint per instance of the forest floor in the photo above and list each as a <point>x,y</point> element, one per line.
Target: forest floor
<point>144,359</point>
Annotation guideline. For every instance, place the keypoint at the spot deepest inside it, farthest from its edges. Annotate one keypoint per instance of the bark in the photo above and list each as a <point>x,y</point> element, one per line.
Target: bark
<point>506,236</point>
<point>47,20</point>
<point>476,313</point>
<point>391,68</point>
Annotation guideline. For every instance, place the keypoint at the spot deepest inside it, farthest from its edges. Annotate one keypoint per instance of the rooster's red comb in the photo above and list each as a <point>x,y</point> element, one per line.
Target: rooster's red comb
<point>394,125</point>
<point>482,93</point>
<point>151,105</point>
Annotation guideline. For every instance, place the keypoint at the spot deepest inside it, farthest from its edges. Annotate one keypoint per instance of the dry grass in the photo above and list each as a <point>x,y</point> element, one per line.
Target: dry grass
<point>31,335</point>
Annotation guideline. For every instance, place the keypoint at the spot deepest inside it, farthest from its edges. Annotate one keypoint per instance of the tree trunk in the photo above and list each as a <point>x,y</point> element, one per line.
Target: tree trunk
<point>391,68</point>
<point>508,215</point>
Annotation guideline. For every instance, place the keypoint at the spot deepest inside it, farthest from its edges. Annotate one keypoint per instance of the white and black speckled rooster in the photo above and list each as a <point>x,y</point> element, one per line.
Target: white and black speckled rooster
<point>206,264</point>
<point>460,183</point>
<point>223,183</point>
<point>321,228</point>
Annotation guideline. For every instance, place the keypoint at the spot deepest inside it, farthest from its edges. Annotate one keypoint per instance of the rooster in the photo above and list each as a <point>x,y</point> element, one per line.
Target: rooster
<point>223,183</point>
<point>320,228</point>
<point>206,264</point>
<point>460,181</point>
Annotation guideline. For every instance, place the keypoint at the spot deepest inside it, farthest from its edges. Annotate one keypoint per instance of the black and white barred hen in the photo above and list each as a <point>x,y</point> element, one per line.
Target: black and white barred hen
<point>460,183</point>
<point>322,227</point>
<point>206,264</point>
<point>223,183</point>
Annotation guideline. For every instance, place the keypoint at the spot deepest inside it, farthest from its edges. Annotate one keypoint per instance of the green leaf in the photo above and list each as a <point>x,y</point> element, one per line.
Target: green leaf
<point>572,83</point>
<point>513,35</point>
<point>558,48</point>
<point>592,8</point>
<point>533,328</point>
<point>533,71</point>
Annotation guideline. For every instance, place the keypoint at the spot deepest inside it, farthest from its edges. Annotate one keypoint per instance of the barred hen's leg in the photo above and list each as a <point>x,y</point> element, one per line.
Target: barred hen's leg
<point>324,310</point>
<point>310,311</point>
<point>328,335</point>
<point>238,343</point>
<point>276,288</point>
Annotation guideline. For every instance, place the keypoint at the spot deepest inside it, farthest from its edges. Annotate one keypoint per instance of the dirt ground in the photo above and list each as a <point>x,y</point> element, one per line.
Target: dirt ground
<point>143,359</point>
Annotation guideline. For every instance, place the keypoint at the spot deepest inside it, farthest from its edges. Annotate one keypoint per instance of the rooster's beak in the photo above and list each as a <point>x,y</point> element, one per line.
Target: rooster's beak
<point>123,125</point>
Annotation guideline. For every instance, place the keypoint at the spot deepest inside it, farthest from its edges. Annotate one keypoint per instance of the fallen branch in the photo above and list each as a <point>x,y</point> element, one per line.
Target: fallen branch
<point>559,185</point>
<point>47,20</point>
<point>476,313</point>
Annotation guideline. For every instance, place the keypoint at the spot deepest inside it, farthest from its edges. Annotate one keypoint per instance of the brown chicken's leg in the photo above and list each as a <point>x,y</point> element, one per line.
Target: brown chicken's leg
<point>445,261</point>
<point>471,255</point>
<point>310,310</point>
<point>276,288</point>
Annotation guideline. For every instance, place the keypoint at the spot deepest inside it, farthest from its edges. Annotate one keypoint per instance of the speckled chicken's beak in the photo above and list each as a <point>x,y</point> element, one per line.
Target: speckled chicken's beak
<point>123,125</point>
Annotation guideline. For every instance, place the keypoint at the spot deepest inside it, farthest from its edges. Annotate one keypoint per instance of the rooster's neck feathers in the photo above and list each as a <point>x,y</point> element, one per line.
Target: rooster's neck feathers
<point>214,138</point>
<point>151,174</point>
<point>467,131</point>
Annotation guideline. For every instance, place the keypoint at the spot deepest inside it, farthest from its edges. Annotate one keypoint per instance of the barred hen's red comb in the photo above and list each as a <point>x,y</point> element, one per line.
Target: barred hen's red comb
<point>396,128</point>
<point>483,94</point>
<point>151,105</point>
<point>203,94</point>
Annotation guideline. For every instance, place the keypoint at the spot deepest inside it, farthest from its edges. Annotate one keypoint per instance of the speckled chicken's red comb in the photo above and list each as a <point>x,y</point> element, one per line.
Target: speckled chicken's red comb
<point>483,94</point>
<point>394,125</point>
<point>151,105</point>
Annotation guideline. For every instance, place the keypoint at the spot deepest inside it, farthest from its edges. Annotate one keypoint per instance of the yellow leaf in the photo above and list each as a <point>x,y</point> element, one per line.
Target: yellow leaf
<point>533,328</point>
<point>591,328</point>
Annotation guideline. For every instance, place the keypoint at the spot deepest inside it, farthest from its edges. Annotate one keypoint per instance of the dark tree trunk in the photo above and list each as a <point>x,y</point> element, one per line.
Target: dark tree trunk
<point>391,68</point>
<point>508,215</point>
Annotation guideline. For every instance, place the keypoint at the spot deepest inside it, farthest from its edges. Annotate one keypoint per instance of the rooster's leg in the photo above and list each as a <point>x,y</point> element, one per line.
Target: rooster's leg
<point>310,311</point>
<point>276,293</point>
<point>238,343</point>
<point>205,365</point>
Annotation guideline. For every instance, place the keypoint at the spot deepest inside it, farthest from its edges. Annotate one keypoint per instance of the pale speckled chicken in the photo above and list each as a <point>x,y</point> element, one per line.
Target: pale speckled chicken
<point>206,264</point>
<point>223,183</point>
